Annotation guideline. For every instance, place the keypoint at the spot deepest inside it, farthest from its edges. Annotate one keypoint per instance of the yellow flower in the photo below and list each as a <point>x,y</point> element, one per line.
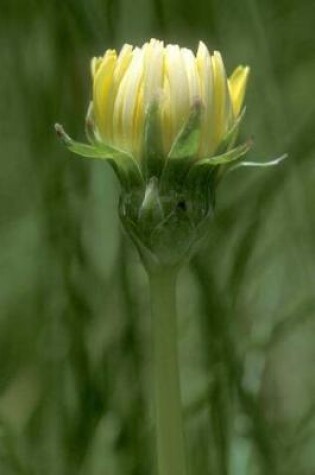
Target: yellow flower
<point>126,84</point>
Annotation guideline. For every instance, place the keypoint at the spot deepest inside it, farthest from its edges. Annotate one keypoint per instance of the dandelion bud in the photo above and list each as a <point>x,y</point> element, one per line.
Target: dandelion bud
<point>166,119</point>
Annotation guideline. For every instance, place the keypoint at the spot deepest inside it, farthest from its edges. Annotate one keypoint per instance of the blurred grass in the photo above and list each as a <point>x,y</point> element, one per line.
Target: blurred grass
<point>75,329</point>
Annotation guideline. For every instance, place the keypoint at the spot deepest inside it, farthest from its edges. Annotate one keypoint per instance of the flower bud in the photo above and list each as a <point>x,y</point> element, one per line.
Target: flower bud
<point>166,119</point>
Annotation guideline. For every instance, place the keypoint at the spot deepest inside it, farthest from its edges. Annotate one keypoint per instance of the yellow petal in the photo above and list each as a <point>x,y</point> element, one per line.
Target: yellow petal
<point>126,103</point>
<point>101,91</point>
<point>222,102</point>
<point>138,125</point>
<point>153,69</point>
<point>167,126</point>
<point>176,91</point>
<point>192,74</point>
<point>204,65</point>
<point>95,64</point>
<point>237,85</point>
<point>121,66</point>
<point>123,60</point>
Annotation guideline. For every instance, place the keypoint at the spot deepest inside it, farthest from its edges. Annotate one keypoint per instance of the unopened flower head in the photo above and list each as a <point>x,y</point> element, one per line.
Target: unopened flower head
<point>167,120</point>
<point>126,84</point>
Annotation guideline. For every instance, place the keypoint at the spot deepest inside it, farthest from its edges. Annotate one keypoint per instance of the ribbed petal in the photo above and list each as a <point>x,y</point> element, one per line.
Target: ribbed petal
<point>123,61</point>
<point>222,101</point>
<point>166,112</point>
<point>153,70</point>
<point>95,64</point>
<point>176,93</point>
<point>205,70</point>
<point>103,80</point>
<point>151,88</point>
<point>121,66</point>
<point>126,103</point>
<point>192,75</point>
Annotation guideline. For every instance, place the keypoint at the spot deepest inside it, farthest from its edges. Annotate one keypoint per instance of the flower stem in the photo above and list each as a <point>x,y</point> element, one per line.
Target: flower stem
<point>169,423</point>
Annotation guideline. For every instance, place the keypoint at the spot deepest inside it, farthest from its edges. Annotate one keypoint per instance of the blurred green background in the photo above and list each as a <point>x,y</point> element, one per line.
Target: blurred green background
<point>75,364</point>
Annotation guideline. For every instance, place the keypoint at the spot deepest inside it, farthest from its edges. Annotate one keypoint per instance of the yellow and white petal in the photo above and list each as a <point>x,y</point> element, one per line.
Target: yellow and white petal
<point>153,70</point>
<point>176,89</point>
<point>192,74</point>
<point>237,86</point>
<point>121,66</point>
<point>123,61</point>
<point>167,111</point>
<point>222,102</point>
<point>95,64</point>
<point>126,103</point>
<point>205,70</point>
<point>103,80</point>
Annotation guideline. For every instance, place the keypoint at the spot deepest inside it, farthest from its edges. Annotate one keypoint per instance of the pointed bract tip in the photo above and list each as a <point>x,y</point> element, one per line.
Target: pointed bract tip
<point>62,135</point>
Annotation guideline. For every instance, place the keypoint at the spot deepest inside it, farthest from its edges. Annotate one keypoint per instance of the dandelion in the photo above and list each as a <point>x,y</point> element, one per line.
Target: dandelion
<point>167,121</point>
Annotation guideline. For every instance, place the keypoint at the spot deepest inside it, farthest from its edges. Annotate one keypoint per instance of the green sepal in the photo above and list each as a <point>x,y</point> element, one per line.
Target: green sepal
<point>270,163</point>
<point>200,185</point>
<point>183,151</point>
<point>90,129</point>
<point>203,176</point>
<point>186,144</point>
<point>124,165</point>
<point>138,235</point>
<point>153,154</point>
<point>172,238</point>
<point>151,208</point>
<point>230,137</point>
<point>227,157</point>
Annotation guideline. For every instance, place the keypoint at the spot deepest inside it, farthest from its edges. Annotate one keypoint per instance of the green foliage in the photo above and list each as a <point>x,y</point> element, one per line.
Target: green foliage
<point>75,340</point>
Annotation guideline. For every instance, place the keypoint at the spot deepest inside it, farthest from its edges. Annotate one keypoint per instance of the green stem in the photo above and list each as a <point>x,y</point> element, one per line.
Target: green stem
<point>169,423</point>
